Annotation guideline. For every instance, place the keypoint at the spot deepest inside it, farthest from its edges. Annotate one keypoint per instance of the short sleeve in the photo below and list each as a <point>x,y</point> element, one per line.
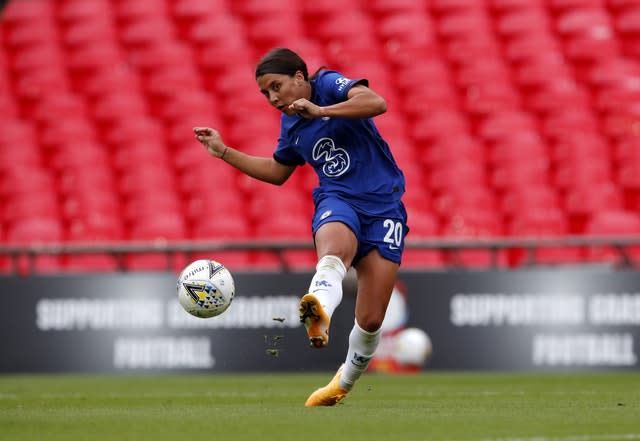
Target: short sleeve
<point>286,154</point>
<point>336,86</point>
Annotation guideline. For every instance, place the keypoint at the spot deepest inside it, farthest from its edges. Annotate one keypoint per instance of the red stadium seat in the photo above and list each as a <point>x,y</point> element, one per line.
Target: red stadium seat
<point>487,98</point>
<point>36,58</point>
<point>137,208</point>
<point>407,27</point>
<point>284,226</point>
<point>112,108</point>
<point>145,152</point>
<point>583,202</point>
<point>527,48</point>
<point>582,173</point>
<point>626,150</point>
<point>47,111</point>
<point>509,126</point>
<point>383,8</point>
<point>474,224</point>
<point>56,136</point>
<point>462,50</point>
<point>618,223</point>
<point>439,124</point>
<point>75,155</point>
<point>461,175</point>
<point>520,146</point>
<point>37,230</point>
<point>520,175</point>
<point>161,228</point>
<point>514,201</point>
<point>265,31</point>
<point>74,11</point>
<point>136,181</point>
<point>27,13</point>
<point>542,223</point>
<point>212,30</point>
<point>558,6</point>
<point>13,182</point>
<point>582,21</point>
<point>89,32</point>
<point>356,27</point>
<point>464,23</point>
<point>84,62</point>
<point>94,223</point>
<point>126,11</point>
<point>431,96</point>
<point>93,215</point>
<point>108,81</point>
<point>172,81</point>
<point>628,178</point>
<point>423,226</point>
<point>20,208</point>
<point>251,9</point>
<point>580,146</point>
<point>216,223</point>
<point>91,263</point>
<point>452,149</point>
<point>131,130</point>
<point>188,12</point>
<point>144,34</point>
<point>522,21</point>
<point>454,6</point>
<point>25,37</point>
<point>320,10</point>
<point>465,199</point>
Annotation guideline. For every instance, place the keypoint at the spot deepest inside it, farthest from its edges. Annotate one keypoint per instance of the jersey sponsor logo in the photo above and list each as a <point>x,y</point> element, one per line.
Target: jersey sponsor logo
<point>325,215</point>
<point>336,159</point>
<point>342,83</point>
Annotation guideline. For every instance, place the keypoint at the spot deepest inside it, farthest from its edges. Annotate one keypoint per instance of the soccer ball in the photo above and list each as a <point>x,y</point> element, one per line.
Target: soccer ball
<point>412,346</point>
<point>205,288</point>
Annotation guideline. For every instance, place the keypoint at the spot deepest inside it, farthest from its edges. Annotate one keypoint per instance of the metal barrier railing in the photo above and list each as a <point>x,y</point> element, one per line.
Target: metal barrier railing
<point>622,245</point>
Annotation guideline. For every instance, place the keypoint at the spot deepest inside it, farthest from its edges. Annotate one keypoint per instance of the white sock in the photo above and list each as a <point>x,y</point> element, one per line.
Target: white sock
<point>326,284</point>
<point>362,346</point>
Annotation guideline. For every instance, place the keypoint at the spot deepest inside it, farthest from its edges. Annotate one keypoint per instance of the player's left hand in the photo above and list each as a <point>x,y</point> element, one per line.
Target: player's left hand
<point>306,108</point>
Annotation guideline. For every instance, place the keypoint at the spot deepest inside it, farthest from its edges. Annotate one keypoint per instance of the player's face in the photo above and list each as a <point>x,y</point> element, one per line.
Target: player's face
<point>282,90</point>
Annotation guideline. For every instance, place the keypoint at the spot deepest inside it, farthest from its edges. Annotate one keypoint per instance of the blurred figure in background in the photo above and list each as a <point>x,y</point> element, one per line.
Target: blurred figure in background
<point>402,349</point>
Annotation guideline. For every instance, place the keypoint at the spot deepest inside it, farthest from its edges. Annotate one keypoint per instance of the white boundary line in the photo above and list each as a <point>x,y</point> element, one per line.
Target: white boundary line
<point>607,437</point>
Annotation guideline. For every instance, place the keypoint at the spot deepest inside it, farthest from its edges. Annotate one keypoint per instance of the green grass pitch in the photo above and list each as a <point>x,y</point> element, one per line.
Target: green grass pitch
<point>432,406</point>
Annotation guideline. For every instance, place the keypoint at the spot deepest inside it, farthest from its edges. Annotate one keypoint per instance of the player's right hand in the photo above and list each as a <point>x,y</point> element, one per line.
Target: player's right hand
<point>211,139</point>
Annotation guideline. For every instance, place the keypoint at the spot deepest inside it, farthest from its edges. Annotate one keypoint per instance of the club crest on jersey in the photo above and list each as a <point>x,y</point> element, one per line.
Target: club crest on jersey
<point>336,159</point>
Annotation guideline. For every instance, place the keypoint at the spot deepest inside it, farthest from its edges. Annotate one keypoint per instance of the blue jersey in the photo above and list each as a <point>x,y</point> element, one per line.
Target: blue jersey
<point>350,157</point>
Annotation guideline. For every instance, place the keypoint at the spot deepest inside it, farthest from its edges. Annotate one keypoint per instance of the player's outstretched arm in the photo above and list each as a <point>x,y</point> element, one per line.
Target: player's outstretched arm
<point>258,167</point>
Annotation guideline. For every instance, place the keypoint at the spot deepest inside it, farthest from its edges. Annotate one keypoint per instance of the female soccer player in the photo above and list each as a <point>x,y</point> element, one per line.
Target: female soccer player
<point>359,217</point>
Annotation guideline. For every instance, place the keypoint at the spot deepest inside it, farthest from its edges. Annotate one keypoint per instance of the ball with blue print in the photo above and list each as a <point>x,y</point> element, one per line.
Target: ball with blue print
<point>205,288</point>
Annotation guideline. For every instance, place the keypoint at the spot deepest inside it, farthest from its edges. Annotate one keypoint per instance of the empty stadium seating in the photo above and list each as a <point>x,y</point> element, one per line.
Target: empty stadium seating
<point>510,118</point>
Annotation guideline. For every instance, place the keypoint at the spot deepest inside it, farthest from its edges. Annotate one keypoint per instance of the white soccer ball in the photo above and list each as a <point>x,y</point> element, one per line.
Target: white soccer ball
<point>412,346</point>
<point>205,288</point>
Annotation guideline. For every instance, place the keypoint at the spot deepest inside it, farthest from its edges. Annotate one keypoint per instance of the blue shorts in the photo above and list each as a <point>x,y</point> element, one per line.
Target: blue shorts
<point>384,233</point>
